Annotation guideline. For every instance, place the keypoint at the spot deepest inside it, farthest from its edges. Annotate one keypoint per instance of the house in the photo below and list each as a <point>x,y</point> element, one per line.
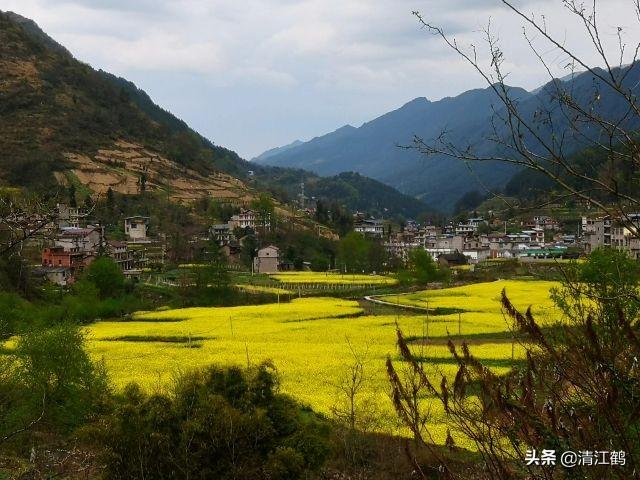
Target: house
<point>136,227</point>
<point>56,275</point>
<point>618,233</point>
<point>244,219</point>
<point>80,240</point>
<point>61,258</point>
<point>267,260</point>
<point>452,259</point>
<point>541,221</point>
<point>470,227</point>
<point>70,216</point>
<point>372,227</point>
<point>122,255</point>
<point>400,248</point>
<point>222,234</point>
<point>444,244</point>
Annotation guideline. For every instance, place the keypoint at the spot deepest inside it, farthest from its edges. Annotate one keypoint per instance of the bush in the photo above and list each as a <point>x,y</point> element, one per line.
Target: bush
<point>106,275</point>
<point>50,382</point>
<point>215,423</point>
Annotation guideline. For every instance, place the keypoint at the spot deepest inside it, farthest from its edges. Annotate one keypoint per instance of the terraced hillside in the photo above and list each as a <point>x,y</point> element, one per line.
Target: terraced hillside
<point>123,166</point>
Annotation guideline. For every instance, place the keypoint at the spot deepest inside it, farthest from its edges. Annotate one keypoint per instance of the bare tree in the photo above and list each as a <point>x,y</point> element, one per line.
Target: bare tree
<point>23,217</point>
<point>546,138</point>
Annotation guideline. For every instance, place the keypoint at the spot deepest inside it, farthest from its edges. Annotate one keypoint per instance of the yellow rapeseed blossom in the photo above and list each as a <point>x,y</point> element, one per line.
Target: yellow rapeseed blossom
<point>312,340</point>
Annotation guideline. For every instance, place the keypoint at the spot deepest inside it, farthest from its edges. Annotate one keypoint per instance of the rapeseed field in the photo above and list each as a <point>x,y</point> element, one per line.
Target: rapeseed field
<point>333,278</point>
<point>312,341</point>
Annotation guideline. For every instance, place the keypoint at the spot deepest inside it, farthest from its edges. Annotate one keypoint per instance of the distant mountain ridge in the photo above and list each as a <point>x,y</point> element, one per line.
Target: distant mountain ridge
<point>374,149</point>
<point>275,151</point>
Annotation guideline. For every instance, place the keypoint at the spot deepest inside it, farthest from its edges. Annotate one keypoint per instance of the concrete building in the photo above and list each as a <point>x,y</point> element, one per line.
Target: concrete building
<point>244,219</point>
<point>372,227</point>
<point>222,234</point>
<point>57,275</point>
<point>122,255</point>
<point>136,227</point>
<point>267,260</point>
<point>67,216</point>
<point>80,240</point>
<point>606,232</point>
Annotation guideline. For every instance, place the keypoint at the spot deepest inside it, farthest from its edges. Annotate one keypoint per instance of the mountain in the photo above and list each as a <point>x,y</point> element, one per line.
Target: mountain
<point>374,149</point>
<point>62,122</point>
<point>274,151</point>
<point>352,190</point>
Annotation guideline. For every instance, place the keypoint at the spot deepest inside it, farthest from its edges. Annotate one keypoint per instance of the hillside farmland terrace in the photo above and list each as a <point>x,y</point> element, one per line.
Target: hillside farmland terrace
<point>312,342</point>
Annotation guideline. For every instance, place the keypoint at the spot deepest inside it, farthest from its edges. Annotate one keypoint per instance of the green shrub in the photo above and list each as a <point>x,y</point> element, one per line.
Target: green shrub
<point>107,276</point>
<point>49,383</point>
<point>215,423</point>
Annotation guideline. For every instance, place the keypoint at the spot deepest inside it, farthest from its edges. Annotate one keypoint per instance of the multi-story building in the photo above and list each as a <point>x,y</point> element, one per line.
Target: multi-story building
<point>80,240</point>
<point>67,216</point>
<point>244,219</point>
<point>122,255</point>
<point>619,233</point>
<point>372,227</point>
<point>221,233</point>
<point>267,260</point>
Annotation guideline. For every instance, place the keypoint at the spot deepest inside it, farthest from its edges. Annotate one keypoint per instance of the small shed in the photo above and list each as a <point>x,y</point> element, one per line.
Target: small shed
<point>267,260</point>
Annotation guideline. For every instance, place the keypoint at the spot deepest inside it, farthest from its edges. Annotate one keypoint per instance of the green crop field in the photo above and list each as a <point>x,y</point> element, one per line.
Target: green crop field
<point>312,340</point>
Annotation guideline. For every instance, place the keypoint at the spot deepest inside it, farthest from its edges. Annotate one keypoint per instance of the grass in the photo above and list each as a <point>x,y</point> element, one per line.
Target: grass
<point>312,341</point>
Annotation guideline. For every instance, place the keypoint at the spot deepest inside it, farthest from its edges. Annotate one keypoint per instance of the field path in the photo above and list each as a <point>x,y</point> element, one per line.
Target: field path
<point>374,299</point>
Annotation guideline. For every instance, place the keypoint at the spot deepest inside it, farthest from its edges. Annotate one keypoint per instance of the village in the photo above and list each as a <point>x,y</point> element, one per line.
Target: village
<point>72,242</point>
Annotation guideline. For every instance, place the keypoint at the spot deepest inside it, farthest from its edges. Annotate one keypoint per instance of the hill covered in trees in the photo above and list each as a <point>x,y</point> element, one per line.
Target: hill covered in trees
<point>63,122</point>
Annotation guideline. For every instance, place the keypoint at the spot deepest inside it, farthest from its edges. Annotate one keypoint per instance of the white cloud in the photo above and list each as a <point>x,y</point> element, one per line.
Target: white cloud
<point>320,63</point>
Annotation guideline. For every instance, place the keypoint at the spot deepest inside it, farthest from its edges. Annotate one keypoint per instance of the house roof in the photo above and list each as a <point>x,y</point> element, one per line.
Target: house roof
<point>45,270</point>
<point>76,232</point>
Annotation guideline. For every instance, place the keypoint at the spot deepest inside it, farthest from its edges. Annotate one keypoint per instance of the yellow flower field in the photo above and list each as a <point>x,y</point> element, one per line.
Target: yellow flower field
<point>333,278</point>
<point>310,340</point>
<point>263,289</point>
<point>484,298</point>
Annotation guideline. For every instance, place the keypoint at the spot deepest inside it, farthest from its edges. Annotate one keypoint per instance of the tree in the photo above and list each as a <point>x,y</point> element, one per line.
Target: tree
<point>573,137</point>
<point>107,276</point>
<point>353,253</point>
<point>110,202</point>
<point>73,202</point>
<point>422,268</point>
<point>142,182</point>
<point>263,205</point>
<point>214,423</point>
<point>49,381</point>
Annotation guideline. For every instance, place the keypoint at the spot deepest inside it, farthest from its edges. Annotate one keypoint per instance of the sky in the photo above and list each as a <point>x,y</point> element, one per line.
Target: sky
<point>255,74</point>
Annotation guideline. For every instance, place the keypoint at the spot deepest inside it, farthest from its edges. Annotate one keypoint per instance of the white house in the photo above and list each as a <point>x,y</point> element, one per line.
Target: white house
<point>372,227</point>
<point>136,227</point>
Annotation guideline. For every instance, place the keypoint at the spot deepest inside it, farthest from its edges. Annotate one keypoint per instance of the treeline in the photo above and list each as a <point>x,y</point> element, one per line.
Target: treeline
<point>352,191</point>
